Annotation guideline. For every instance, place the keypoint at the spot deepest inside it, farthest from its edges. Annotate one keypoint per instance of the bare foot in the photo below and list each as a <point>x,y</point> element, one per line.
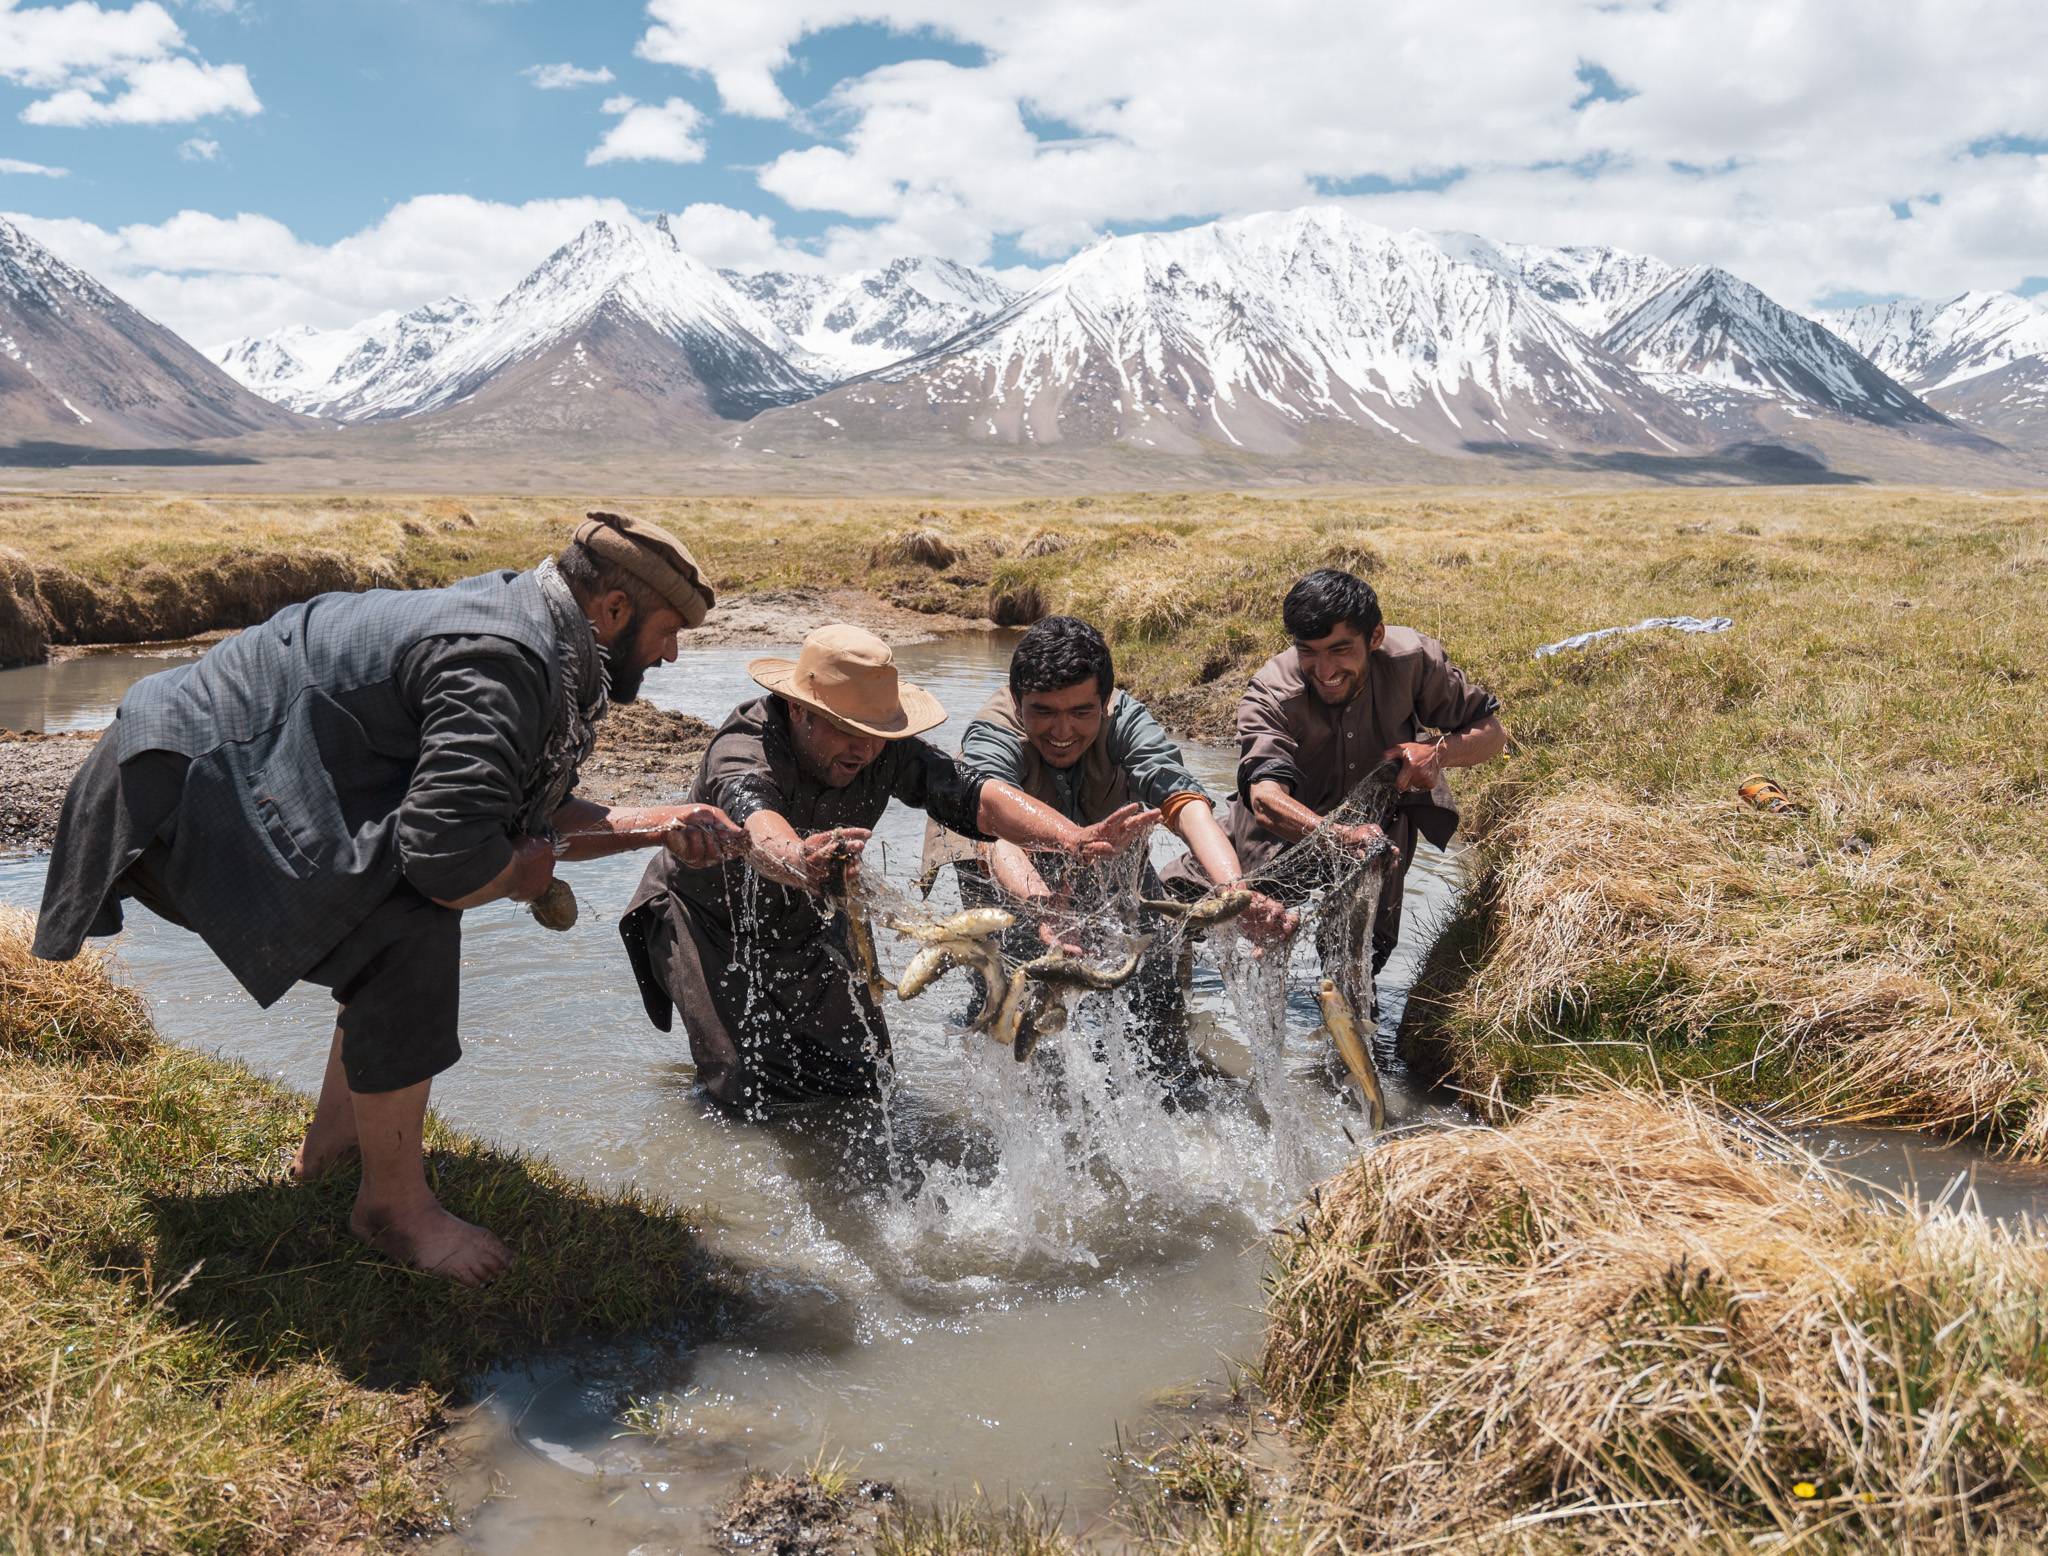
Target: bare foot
<point>430,1239</point>
<point>312,1160</point>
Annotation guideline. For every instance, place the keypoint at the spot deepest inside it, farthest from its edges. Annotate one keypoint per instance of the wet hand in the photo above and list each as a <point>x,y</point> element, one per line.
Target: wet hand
<point>703,835</point>
<point>1114,833</point>
<point>1267,919</point>
<point>533,866</point>
<point>1059,937</point>
<point>1358,838</point>
<point>821,850</point>
<point>1422,763</point>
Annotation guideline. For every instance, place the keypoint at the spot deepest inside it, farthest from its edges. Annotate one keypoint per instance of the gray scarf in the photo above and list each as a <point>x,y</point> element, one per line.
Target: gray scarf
<point>574,734</point>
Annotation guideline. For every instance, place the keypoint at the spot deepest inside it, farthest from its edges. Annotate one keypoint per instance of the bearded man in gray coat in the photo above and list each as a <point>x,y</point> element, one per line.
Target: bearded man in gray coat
<point>321,797</point>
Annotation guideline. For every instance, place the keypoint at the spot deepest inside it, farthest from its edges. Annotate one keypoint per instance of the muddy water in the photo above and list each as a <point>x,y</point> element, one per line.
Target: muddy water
<point>973,1288</point>
<point>77,693</point>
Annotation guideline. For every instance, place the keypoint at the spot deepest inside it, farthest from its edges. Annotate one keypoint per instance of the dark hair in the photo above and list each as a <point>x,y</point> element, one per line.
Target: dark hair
<point>1059,652</point>
<point>589,575</point>
<point>1315,606</point>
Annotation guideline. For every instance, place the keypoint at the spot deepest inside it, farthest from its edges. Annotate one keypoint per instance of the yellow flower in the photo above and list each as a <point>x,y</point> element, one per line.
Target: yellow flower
<point>1805,1489</point>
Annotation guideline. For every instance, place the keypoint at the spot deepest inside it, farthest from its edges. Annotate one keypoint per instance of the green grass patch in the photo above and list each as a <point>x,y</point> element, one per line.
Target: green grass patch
<point>194,1355</point>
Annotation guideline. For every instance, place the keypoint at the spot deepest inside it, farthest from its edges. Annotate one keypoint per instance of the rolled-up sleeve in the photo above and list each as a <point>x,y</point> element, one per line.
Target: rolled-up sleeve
<point>1265,745</point>
<point>943,787</point>
<point>1151,762</point>
<point>482,705</point>
<point>1447,699</point>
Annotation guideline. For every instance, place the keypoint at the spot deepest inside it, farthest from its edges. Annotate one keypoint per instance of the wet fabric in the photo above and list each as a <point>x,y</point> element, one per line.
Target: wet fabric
<point>345,744</point>
<point>788,1021</point>
<point>1287,734</point>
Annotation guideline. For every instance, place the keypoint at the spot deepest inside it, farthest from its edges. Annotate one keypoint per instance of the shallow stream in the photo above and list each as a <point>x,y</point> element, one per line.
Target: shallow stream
<point>978,1296</point>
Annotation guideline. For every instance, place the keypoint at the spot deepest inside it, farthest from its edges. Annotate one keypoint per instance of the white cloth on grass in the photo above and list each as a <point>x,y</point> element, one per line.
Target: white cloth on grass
<point>1675,623</point>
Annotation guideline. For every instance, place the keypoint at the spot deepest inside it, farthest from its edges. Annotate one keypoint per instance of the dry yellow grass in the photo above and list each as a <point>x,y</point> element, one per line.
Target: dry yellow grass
<point>1624,1323</point>
<point>1786,962</point>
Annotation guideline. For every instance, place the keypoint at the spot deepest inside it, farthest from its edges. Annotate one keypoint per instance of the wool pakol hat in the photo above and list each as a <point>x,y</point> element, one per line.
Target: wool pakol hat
<point>652,555</point>
<point>850,676</point>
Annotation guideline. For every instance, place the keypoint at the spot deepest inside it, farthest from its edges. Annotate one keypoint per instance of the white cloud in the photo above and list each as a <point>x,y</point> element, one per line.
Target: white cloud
<point>554,78</point>
<point>78,52</point>
<point>10,165</point>
<point>213,278</point>
<point>197,150</point>
<point>1771,136</point>
<point>647,133</point>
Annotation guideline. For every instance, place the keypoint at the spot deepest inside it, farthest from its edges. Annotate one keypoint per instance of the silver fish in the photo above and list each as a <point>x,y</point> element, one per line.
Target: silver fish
<point>1216,908</point>
<point>1342,1026</point>
<point>1058,967</point>
<point>930,965</point>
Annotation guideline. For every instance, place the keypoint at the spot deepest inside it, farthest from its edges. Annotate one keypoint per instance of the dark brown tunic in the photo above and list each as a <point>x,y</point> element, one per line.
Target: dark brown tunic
<point>759,969</point>
<point>1287,734</point>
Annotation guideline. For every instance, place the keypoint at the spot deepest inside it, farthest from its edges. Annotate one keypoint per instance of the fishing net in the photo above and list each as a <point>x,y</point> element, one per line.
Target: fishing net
<point>1117,916</point>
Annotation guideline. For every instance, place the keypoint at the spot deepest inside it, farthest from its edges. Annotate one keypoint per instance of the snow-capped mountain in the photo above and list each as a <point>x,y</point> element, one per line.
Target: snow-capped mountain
<point>353,374</point>
<point>618,311</point>
<point>78,365</point>
<point>1264,334</point>
<point>1707,328</point>
<point>1934,344</point>
<point>856,323</point>
<point>1590,288</point>
<point>1981,357</point>
<point>1264,331</point>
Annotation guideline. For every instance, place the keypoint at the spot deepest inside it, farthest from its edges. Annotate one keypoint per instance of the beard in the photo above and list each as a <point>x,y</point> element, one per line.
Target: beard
<point>623,669</point>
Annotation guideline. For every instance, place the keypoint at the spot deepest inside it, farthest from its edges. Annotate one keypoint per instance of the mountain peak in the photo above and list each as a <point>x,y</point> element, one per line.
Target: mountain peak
<point>79,365</point>
<point>1719,331</point>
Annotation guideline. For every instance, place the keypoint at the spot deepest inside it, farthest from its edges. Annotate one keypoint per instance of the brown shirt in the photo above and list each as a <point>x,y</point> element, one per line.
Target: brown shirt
<point>1287,734</point>
<point>752,765</point>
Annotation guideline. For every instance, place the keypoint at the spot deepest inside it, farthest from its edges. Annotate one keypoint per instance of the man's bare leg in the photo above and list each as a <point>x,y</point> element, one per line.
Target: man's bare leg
<point>396,1213</point>
<point>331,1137</point>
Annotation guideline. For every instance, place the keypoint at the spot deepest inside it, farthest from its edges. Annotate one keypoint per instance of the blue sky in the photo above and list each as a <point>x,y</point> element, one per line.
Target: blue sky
<point>234,166</point>
<point>369,102</point>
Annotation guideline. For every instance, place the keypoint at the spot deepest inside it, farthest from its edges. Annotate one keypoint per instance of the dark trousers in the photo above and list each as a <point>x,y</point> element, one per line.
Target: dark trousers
<point>396,975</point>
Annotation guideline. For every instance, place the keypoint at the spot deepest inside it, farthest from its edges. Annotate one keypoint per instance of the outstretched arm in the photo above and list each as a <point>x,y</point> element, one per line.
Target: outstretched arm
<point>1424,761</point>
<point>1015,817</point>
<point>699,835</point>
<point>775,850</point>
<point>1196,825</point>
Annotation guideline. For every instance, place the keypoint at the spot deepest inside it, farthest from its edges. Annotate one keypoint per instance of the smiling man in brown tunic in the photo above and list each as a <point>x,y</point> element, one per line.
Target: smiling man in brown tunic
<point>1351,693</point>
<point>763,977</point>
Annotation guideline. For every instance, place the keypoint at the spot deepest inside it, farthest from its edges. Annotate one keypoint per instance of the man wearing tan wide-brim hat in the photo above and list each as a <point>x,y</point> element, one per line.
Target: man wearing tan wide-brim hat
<point>322,796</point>
<point>774,1012</point>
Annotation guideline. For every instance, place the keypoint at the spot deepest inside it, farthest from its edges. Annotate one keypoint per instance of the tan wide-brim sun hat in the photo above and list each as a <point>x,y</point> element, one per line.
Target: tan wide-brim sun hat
<point>850,676</point>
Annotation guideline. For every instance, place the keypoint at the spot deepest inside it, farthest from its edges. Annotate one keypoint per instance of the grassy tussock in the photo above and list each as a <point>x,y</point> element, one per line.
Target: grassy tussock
<point>65,1010</point>
<point>194,1356</point>
<point>975,1529</point>
<point>1798,962</point>
<point>1624,1324</point>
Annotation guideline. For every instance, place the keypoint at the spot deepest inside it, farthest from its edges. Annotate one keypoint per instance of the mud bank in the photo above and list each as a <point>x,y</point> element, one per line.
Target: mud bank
<point>644,756</point>
<point>35,770</point>
<point>42,604</point>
